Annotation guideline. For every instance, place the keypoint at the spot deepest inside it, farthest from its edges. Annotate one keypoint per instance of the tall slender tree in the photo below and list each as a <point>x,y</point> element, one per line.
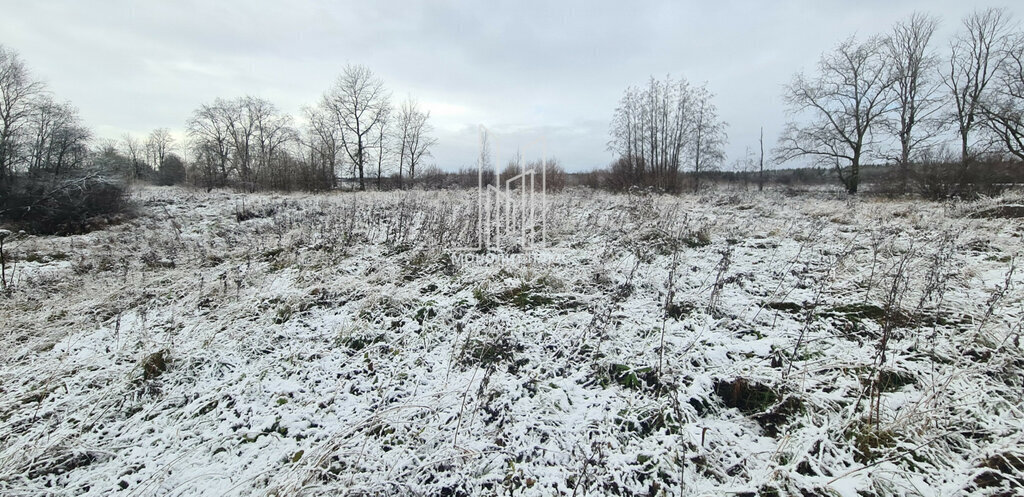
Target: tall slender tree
<point>414,139</point>
<point>709,136</point>
<point>382,146</point>
<point>133,150</point>
<point>915,109</point>
<point>324,141</point>
<point>760,162</point>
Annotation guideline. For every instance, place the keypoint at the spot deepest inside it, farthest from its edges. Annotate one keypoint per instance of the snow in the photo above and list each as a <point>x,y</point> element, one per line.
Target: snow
<point>336,345</point>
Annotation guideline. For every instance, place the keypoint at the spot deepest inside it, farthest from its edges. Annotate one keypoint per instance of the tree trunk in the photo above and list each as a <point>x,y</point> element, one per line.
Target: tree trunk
<point>760,173</point>
<point>904,163</point>
<point>964,158</point>
<point>854,179</point>
<point>401,165</point>
<point>696,170</point>
<point>359,160</point>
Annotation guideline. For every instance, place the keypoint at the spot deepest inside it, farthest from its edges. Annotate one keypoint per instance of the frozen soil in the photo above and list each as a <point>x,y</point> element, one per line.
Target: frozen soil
<point>731,343</point>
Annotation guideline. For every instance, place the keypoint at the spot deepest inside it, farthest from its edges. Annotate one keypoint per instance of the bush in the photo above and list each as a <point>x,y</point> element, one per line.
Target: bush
<point>172,171</point>
<point>62,206</point>
<point>555,176</point>
<point>942,176</point>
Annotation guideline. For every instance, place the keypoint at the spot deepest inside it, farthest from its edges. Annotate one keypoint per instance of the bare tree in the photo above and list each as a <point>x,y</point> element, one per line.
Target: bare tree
<point>106,156</point>
<point>247,136</point>
<point>414,140</point>
<point>17,93</point>
<point>484,158</point>
<point>383,143</point>
<point>43,121</point>
<point>760,163</point>
<point>357,102</point>
<point>916,107</point>
<point>209,130</point>
<point>846,99</point>
<point>158,145</point>
<point>133,150</point>
<point>242,129</point>
<point>58,140</point>
<point>272,133</point>
<point>708,137</point>
<point>627,138</point>
<point>513,167</point>
<point>1003,108</point>
<point>323,140</point>
<point>745,166</point>
<point>977,53</point>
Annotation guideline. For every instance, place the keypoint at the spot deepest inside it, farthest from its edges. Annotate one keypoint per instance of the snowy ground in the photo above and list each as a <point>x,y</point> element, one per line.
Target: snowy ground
<point>733,343</point>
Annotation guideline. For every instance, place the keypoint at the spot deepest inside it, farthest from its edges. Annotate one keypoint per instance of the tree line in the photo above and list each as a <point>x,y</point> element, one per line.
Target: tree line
<point>942,117</point>
<point>886,99</point>
<point>54,174</point>
<point>245,142</point>
<point>895,98</point>
<point>353,129</point>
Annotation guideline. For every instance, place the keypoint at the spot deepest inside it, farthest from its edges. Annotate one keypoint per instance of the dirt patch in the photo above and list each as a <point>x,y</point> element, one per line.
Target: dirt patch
<point>749,397</point>
<point>998,468</point>
<point>1010,211</point>
<point>889,381</point>
<point>779,415</point>
<point>634,378</point>
<point>154,365</point>
<point>791,307</point>
<point>869,442</point>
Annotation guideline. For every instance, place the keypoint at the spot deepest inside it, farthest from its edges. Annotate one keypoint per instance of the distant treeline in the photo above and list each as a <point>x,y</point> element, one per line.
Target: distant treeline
<point>888,110</point>
<point>932,180</point>
<point>890,98</point>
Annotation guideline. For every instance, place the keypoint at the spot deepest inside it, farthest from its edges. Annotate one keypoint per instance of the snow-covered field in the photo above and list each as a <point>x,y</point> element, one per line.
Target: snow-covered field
<point>726,344</point>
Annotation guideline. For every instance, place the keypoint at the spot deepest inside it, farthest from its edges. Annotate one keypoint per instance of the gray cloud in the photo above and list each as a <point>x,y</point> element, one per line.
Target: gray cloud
<point>524,69</point>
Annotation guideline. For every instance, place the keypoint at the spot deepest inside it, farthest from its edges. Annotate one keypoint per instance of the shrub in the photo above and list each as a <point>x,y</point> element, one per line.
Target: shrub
<point>943,176</point>
<point>63,205</point>
<point>172,171</point>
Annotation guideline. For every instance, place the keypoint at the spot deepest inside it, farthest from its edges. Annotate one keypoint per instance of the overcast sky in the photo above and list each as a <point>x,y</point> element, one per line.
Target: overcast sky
<point>526,70</point>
